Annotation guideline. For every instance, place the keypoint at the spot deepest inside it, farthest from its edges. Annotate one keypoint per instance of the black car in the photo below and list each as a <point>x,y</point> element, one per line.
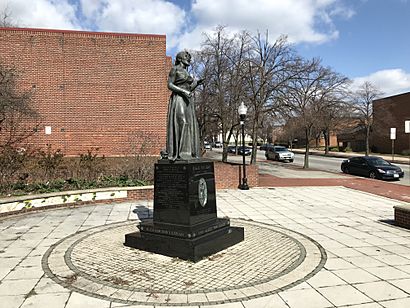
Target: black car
<point>231,149</point>
<point>373,167</point>
<point>247,150</point>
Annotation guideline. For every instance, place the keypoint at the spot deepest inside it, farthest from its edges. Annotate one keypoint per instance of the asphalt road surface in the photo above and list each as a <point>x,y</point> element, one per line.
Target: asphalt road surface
<point>316,162</point>
<point>332,164</point>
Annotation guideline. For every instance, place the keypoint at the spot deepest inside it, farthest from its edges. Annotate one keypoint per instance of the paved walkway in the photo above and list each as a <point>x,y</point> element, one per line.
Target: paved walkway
<point>377,187</point>
<point>339,248</point>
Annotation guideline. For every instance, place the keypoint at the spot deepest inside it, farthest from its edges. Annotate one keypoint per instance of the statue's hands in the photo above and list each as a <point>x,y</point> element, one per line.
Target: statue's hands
<point>187,94</point>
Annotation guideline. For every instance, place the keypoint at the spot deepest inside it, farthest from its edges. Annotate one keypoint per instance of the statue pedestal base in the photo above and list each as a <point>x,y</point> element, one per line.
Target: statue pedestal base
<point>185,223</point>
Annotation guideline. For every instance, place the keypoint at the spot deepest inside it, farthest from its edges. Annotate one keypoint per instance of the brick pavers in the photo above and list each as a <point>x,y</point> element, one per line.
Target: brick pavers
<point>367,260</point>
<point>96,263</point>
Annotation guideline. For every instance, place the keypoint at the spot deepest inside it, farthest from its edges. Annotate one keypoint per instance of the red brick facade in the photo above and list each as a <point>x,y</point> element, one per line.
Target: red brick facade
<point>228,175</point>
<point>390,112</point>
<point>95,90</point>
<point>402,216</point>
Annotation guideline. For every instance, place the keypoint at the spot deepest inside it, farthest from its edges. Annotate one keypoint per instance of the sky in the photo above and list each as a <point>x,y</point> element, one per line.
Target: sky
<point>365,40</point>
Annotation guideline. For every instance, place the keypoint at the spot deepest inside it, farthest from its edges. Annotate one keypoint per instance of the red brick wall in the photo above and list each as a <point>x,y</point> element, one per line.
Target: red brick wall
<point>228,175</point>
<point>95,90</point>
<point>402,216</point>
<point>390,112</point>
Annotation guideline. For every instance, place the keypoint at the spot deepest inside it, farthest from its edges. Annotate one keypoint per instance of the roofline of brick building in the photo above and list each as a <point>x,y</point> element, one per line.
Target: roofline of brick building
<point>388,97</point>
<point>88,33</point>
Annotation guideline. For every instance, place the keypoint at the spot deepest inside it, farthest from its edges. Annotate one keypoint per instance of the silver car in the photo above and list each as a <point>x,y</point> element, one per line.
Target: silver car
<point>279,153</point>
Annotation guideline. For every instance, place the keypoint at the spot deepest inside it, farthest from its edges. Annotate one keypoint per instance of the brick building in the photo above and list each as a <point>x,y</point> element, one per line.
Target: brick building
<point>390,112</point>
<point>93,89</point>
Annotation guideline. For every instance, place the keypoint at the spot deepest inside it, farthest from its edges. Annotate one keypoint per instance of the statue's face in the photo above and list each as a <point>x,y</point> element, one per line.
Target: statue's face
<point>186,59</point>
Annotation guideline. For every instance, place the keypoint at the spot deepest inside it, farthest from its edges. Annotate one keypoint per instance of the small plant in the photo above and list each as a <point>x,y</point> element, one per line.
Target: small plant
<point>49,161</point>
<point>28,204</point>
<point>12,162</point>
<point>91,164</point>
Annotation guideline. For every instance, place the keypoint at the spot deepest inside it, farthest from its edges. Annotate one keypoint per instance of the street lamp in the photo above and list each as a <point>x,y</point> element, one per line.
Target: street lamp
<point>242,114</point>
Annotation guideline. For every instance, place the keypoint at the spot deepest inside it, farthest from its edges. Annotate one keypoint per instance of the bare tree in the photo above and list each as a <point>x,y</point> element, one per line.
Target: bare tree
<point>221,66</point>
<point>333,105</point>
<point>6,20</point>
<point>18,119</point>
<point>362,101</point>
<point>310,97</point>
<point>269,67</point>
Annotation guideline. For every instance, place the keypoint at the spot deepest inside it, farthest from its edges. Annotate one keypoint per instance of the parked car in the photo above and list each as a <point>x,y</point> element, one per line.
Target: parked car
<point>217,144</point>
<point>265,146</point>
<point>231,149</point>
<point>373,167</point>
<point>279,153</point>
<point>247,150</point>
<point>207,146</point>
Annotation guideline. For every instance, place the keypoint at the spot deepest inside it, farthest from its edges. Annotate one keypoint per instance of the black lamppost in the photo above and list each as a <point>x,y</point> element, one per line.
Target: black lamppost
<point>242,114</point>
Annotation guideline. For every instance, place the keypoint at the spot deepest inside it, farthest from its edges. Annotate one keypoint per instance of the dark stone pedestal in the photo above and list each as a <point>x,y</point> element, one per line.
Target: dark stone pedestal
<point>185,223</point>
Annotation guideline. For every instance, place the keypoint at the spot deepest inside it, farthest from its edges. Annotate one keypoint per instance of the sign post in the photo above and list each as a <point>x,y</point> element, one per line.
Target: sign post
<point>392,137</point>
<point>407,131</point>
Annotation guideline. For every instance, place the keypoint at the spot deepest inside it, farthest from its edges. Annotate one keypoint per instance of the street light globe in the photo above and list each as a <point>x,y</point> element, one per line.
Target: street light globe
<point>242,109</point>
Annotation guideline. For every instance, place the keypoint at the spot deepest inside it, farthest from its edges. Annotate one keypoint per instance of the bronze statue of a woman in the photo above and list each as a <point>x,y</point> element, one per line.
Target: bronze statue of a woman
<point>182,124</point>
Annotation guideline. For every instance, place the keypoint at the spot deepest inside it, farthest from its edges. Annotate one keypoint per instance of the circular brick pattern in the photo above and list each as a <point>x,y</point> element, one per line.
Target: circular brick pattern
<point>96,263</point>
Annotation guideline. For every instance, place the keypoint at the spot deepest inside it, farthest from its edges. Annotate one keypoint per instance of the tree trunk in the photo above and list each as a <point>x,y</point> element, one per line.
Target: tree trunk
<point>254,145</point>
<point>225,143</point>
<point>327,141</point>
<point>306,161</point>
<point>367,140</point>
<point>225,152</point>
<point>254,142</point>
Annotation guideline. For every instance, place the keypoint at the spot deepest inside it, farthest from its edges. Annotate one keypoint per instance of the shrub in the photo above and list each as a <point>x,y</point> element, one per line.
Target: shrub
<point>49,161</point>
<point>91,165</point>
<point>50,171</point>
<point>12,163</point>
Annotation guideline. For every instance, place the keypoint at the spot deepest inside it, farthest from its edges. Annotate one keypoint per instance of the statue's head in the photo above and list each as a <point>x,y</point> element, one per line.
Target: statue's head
<point>183,57</point>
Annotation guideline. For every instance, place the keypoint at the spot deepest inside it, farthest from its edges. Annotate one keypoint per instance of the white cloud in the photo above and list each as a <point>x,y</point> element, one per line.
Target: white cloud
<point>142,16</point>
<point>308,21</point>
<point>42,13</point>
<point>389,81</point>
<point>135,16</point>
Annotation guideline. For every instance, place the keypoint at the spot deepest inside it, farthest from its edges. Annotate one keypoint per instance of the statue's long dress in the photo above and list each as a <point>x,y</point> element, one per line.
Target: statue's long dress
<point>182,126</point>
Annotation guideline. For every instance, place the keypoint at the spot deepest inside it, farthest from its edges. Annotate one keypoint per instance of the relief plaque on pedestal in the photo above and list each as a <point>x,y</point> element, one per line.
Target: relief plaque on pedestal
<point>185,222</point>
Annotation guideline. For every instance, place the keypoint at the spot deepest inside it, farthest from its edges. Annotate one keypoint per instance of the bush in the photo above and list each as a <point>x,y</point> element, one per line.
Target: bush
<point>91,165</point>
<point>50,171</point>
<point>49,161</point>
<point>12,165</point>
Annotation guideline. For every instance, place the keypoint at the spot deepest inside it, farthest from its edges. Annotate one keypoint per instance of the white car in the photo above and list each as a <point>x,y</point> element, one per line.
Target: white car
<point>279,153</point>
<point>218,144</point>
<point>207,146</point>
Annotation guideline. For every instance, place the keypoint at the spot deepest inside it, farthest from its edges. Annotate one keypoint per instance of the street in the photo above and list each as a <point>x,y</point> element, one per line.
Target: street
<point>316,162</point>
<point>332,164</point>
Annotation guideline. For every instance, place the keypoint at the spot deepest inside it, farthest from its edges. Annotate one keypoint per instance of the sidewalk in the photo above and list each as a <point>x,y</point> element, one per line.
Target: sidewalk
<point>312,240</point>
<point>377,187</point>
<point>305,247</point>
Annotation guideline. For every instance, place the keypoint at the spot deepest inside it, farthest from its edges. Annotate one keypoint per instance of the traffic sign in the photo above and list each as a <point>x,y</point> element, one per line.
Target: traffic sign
<point>392,133</point>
